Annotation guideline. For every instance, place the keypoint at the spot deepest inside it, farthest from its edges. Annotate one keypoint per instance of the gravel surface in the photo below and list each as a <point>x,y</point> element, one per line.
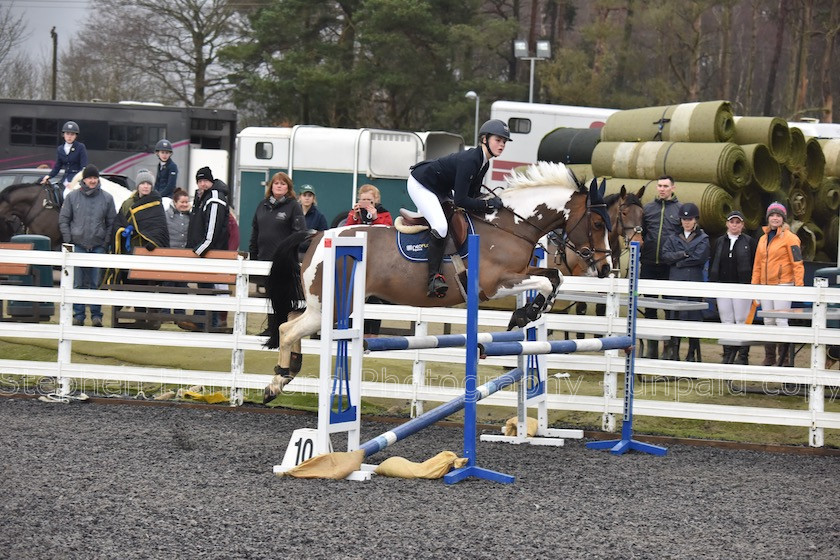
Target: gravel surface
<point>94,481</point>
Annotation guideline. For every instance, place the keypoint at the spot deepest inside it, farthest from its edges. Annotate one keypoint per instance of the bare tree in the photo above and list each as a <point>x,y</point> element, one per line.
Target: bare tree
<point>12,32</point>
<point>172,44</point>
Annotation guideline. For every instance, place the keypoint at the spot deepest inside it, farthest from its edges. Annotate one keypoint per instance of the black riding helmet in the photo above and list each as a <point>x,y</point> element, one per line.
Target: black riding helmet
<point>496,127</point>
<point>689,210</point>
<point>163,145</point>
<point>70,126</point>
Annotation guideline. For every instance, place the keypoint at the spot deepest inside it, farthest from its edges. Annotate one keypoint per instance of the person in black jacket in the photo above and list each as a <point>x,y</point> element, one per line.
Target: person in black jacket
<point>276,217</point>
<point>732,262</point>
<point>687,253</point>
<point>457,177</point>
<point>167,171</point>
<point>209,215</point>
<point>70,157</point>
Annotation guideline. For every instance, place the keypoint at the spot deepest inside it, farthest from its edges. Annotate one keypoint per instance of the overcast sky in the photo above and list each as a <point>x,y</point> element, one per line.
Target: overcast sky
<point>67,16</point>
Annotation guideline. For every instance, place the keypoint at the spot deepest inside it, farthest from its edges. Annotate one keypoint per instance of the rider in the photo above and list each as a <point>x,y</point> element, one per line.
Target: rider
<point>167,172</point>
<point>71,157</point>
<point>456,177</point>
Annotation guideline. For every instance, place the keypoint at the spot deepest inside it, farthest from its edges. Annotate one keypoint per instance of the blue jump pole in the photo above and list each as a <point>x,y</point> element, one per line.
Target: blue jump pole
<point>436,341</point>
<point>555,346</point>
<point>470,395</point>
<point>626,443</point>
<point>413,426</point>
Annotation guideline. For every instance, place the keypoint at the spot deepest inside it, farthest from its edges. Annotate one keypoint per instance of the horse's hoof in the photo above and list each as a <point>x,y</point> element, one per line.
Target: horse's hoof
<point>270,393</point>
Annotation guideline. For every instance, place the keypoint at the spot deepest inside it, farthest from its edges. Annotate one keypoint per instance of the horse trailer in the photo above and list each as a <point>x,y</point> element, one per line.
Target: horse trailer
<point>335,161</point>
<point>120,137</point>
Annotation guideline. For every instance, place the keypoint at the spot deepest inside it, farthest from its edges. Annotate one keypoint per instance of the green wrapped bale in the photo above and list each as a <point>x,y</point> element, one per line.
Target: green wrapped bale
<point>569,145</point>
<point>801,203</point>
<point>766,171</point>
<point>723,164</point>
<point>826,200</point>
<point>814,163</point>
<point>831,234</point>
<point>831,152</point>
<point>750,204</point>
<point>709,121</point>
<point>796,158</point>
<point>773,132</point>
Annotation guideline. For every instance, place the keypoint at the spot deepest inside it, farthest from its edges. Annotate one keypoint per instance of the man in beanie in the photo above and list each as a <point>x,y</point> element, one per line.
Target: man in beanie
<point>208,227</point>
<point>87,220</point>
<point>778,262</point>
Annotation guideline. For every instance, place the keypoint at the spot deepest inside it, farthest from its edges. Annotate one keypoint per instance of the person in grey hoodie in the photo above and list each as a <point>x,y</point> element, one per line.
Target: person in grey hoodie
<point>87,221</point>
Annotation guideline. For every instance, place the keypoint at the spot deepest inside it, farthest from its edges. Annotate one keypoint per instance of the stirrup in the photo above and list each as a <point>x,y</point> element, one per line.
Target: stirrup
<point>437,286</point>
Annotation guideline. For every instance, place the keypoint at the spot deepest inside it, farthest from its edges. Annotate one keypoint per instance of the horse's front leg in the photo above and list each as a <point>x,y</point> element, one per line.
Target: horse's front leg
<point>289,357</point>
<point>545,281</point>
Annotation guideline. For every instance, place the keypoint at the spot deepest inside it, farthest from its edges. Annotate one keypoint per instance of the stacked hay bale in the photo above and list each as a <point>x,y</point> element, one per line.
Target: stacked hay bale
<point>719,162</point>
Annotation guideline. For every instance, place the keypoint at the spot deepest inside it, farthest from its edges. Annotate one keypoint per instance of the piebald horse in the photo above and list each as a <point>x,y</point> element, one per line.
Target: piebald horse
<point>544,197</point>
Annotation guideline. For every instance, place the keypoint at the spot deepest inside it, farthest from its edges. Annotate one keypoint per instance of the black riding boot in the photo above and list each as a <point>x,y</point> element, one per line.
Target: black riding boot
<point>743,356</point>
<point>693,350</point>
<point>437,283</point>
<point>652,349</point>
<point>728,354</point>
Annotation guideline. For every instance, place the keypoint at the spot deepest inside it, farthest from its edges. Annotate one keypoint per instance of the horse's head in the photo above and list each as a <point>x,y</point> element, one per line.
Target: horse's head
<point>630,219</point>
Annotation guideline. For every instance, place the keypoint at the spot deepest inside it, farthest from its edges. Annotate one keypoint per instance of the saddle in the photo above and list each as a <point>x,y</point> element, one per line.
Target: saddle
<point>414,222</point>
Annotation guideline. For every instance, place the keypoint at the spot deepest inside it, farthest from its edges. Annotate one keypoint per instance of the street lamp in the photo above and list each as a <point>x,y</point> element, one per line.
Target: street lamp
<point>473,95</point>
<point>522,52</point>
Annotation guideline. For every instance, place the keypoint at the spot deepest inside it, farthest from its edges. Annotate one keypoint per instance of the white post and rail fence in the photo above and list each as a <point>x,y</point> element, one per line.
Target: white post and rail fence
<point>687,379</point>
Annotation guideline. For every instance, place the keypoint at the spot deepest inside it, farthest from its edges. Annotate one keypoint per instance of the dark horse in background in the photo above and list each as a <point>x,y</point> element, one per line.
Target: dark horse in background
<point>545,197</point>
<point>30,208</point>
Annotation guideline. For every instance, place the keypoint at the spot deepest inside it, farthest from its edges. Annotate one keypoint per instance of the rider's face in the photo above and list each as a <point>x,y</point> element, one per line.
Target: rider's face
<point>496,145</point>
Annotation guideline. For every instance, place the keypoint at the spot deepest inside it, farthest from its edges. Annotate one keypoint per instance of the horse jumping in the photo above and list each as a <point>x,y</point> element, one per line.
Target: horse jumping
<point>545,197</point>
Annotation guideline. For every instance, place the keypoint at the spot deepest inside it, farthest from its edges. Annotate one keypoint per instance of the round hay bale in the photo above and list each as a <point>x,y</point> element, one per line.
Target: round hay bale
<point>773,132</point>
<point>827,200</point>
<point>831,152</point>
<point>569,145</point>
<point>814,163</point>
<point>749,203</point>
<point>796,158</point>
<point>766,171</point>
<point>709,121</point>
<point>801,203</point>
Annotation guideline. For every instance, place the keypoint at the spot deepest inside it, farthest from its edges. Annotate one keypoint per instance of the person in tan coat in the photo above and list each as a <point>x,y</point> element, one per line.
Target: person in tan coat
<point>778,262</point>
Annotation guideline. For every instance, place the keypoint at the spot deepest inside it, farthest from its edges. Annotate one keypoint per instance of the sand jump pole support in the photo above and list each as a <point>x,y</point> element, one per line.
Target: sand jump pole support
<point>627,443</point>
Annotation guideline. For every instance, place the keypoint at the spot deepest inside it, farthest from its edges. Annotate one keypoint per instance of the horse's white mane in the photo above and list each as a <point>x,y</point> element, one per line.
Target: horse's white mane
<point>540,174</point>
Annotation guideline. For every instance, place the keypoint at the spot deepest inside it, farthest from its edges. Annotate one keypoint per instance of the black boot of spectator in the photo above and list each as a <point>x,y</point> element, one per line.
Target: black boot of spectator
<point>652,349</point>
<point>742,357</point>
<point>728,354</point>
<point>769,355</point>
<point>693,350</point>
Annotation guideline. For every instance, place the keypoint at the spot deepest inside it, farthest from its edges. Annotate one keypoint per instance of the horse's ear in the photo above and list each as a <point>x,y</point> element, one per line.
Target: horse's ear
<point>603,189</point>
<point>641,191</point>
<point>623,192</point>
<point>593,187</point>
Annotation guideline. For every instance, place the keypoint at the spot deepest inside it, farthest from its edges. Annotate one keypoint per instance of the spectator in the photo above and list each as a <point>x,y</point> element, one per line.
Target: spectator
<point>276,217</point>
<point>141,221</point>
<point>661,220</point>
<point>167,171</point>
<point>732,263</point>
<point>71,157</point>
<point>368,209</point>
<point>686,254</point>
<point>178,219</point>
<point>778,262</point>
<point>87,220</point>
<point>208,228</point>
<point>315,220</point>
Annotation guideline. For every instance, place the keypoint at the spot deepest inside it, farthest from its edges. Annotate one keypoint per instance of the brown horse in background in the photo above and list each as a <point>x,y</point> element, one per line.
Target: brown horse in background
<point>32,207</point>
<point>547,196</point>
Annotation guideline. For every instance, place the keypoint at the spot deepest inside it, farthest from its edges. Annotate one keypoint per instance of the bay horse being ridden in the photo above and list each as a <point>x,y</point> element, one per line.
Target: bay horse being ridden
<point>35,206</point>
<point>626,213</point>
<point>545,197</point>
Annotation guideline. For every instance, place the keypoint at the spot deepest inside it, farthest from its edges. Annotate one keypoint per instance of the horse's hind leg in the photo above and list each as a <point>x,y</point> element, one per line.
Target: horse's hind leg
<point>289,359</point>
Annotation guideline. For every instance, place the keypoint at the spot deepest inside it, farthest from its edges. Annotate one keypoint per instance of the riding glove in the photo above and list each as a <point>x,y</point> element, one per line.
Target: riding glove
<point>494,203</point>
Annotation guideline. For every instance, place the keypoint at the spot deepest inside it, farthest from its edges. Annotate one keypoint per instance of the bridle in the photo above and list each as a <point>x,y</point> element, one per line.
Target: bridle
<point>587,254</point>
<point>623,229</point>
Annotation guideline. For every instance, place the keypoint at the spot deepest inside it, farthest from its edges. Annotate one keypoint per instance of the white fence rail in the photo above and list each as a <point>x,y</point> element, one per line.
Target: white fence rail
<point>688,378</point>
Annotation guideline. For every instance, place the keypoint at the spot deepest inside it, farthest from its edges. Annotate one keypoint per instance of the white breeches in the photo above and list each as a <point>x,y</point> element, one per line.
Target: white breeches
<point>733,310</point>
<point>428,204</point>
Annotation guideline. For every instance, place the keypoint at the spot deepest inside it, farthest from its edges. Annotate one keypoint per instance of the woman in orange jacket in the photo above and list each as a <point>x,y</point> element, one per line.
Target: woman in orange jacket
<point>778,262</point>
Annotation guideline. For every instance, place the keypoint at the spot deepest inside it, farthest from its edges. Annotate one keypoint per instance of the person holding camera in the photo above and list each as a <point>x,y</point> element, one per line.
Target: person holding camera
<point>368,211</point>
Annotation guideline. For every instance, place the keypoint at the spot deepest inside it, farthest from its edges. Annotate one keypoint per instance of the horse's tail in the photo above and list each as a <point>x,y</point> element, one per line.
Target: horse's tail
<point>284,287</point>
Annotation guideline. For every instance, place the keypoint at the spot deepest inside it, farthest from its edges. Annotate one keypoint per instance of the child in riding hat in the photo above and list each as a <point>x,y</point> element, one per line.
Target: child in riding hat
<point>167,171</point>
<point>457,177</point>
<point>71,157</point>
